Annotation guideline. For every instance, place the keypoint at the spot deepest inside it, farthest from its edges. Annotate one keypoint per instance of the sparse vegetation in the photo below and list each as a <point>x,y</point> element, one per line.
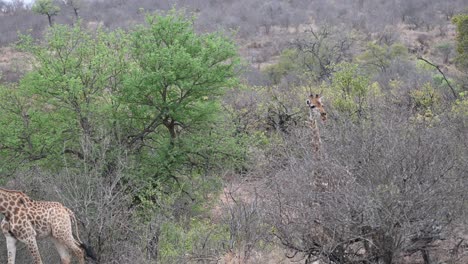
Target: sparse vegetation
<point>178,131</point>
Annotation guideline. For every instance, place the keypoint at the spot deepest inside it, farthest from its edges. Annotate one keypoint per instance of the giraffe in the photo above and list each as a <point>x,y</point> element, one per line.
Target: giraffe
<point>26,219</point>
<point>316,109</point>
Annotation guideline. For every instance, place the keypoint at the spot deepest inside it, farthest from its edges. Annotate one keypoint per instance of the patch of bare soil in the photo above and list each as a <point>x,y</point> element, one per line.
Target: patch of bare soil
<point>263,49</point>
<point>426,42</point>
<point>13,64</point>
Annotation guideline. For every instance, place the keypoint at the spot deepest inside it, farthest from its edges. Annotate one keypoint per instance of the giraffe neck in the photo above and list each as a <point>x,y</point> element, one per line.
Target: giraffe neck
<point>316,142</point>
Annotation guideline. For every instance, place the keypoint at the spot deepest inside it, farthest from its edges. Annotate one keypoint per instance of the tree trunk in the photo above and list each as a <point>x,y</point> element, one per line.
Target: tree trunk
<point>49,17</point>
<point>77,16</point>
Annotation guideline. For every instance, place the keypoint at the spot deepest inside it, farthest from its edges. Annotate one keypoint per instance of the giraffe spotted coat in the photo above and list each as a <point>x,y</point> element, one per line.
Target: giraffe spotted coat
<point>26,220</point>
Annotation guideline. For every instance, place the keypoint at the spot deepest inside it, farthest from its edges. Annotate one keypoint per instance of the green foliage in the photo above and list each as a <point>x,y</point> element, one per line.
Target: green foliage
<point>154,92</point>
<point>70,89</point>
<point>426,103</point>
<point>16,134</point>
<point>460,106</point>
<point>349,81</point>
<point>425,98</point>
<point>377,58</point>
<point>314,56</point>
<point>287,64</point>
<point>461,22</point>
<point>178,75</point>
<point>151,95</point>
<point>177,243</point>
<point>169,107</point>
<point>445,50</point>
<point>46,7</point>
<point>350,89</point>
<point>439,79</point>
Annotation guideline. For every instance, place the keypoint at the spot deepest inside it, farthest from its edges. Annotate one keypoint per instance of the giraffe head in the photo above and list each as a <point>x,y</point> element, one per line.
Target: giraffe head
<point>316,107</point>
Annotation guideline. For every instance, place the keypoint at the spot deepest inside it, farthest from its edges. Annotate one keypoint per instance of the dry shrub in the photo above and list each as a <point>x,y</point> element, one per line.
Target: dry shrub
<point>382,189</point>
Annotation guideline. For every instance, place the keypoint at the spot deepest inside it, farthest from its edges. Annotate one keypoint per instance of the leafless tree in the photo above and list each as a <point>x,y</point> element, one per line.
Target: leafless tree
<point>102,203</point>
<point>75,5</point>
<point>385,189</point>
<point>322,50</point>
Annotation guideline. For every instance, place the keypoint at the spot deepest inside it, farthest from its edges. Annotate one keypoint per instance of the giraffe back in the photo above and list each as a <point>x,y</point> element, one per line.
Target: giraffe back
<point>50,219</point>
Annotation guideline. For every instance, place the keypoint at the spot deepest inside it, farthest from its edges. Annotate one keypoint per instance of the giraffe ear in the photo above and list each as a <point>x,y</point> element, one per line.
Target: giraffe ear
<point>319,99</point>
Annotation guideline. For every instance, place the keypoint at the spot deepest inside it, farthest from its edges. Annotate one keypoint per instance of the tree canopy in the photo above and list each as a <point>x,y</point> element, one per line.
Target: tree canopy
<point>46,7</point>
<point>461,21</point>
<point>150,91</point>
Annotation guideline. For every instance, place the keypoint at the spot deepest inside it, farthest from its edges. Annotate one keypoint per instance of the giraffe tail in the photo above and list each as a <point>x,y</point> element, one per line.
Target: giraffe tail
<point>87,249</point>
<point>73,219</point>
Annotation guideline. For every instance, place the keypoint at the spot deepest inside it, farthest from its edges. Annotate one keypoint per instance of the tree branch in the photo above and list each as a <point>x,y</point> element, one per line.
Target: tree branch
<point>443,75</point>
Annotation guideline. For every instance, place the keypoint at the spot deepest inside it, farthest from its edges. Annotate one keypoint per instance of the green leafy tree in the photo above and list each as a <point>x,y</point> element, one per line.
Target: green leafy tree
<point>151,95</point>
<point>170,107</point>
<point>287,64</point>
<point>426,104</point>
<point>66,98</point>
<point>351,88</point>
<point>377,58</point>
<point>46,7</point>
<point>178,75</point>
<point>18,134</point>
<point>155,92</point>
<point>461,22</point>
<point>460,107</point>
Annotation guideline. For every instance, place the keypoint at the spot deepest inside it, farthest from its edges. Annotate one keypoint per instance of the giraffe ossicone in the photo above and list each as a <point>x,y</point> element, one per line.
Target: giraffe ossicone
<point>25,220</point>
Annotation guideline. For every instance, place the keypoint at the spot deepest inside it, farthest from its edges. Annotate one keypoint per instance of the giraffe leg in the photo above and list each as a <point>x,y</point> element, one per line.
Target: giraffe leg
<point>10,241</point>
<point>33,249</point>
<point>11,247</point>
<point>69,243</point>
<point>62,250</point>
<point>77,251</point>
<point>63,234</point>
<point>72,244</point>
